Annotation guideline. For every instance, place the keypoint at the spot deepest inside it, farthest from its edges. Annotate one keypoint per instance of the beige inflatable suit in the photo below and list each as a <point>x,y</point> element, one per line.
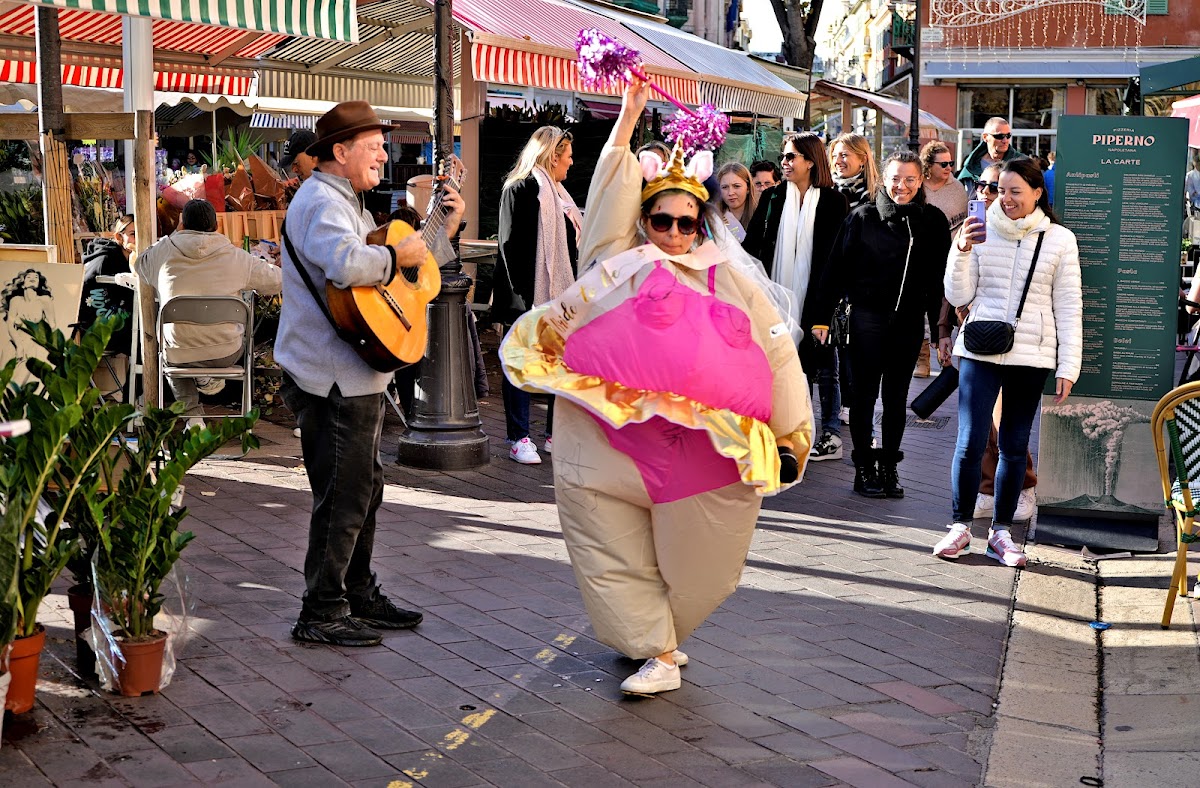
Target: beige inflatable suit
<point>674,376</point>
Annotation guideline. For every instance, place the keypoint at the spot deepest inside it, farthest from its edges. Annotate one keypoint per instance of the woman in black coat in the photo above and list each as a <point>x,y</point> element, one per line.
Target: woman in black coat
<point>792,232</point>
<point>888,260</point>
<point>538,245</point>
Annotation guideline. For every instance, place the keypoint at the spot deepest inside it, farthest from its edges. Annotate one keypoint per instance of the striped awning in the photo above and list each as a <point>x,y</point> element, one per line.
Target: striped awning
<point>738,98</point>
<point>508,64</point>
<point>272,120</point>
<point>332,19</point>
<point>108,74</point>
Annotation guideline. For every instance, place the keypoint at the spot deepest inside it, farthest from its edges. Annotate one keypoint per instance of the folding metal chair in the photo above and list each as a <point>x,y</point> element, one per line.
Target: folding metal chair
<point>1177,415</point>
<point>209,310</point>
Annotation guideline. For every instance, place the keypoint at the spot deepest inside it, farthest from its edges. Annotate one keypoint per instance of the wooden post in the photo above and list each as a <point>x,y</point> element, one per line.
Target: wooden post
<point>145,219</point>
<point>56,175</point>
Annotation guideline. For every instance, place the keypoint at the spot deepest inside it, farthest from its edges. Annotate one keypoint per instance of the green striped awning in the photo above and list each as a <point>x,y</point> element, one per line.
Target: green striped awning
<point>330,19</point>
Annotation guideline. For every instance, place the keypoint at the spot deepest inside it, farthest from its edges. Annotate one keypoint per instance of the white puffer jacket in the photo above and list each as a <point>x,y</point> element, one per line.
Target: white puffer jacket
<point>990,278</point>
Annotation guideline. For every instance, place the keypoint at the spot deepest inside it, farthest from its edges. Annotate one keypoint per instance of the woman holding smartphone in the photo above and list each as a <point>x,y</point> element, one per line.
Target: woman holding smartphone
<point>988,267</point>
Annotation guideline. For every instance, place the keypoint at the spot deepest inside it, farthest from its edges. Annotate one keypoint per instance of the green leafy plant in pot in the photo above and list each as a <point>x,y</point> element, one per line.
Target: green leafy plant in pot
<point>136,552</point>
<point>53,469</point>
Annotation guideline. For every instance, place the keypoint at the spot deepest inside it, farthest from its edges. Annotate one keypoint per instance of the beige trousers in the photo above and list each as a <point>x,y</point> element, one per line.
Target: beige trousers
<point>649,573</point>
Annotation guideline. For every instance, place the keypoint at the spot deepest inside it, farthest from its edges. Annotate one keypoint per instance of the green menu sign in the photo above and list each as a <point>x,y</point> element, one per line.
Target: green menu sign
<point>1119,186</point>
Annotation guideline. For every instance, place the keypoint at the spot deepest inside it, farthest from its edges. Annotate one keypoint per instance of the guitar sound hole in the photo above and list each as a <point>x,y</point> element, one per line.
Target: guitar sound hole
<point>410,274</point>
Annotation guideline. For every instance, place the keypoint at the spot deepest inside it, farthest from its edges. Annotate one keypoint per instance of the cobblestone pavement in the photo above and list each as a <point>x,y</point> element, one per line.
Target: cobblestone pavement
<point>848,656</point>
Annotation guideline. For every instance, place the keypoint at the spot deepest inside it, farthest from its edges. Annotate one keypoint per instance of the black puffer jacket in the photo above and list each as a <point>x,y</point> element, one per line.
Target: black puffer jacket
<point>867,260</point>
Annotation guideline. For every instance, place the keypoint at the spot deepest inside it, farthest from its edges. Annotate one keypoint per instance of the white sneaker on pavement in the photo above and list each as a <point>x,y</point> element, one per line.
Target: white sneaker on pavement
<point>1026,505</point>
<point>524,452</point>
<point>955,543</point>
<point>680,658</point>
<point>296,432</point>
<point>1001,548</point>
<point>844,416</point>
<point>653,677</point>
<point>549,444</point>
<point>984,504</point>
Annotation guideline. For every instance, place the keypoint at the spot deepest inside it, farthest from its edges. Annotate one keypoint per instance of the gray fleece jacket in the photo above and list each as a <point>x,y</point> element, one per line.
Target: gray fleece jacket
<point>328,225</point>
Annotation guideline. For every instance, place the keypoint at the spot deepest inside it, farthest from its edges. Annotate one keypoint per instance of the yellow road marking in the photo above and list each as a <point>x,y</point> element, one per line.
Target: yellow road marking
<point>562,641</point>
<point>476,721</point>
<point>451,741</point>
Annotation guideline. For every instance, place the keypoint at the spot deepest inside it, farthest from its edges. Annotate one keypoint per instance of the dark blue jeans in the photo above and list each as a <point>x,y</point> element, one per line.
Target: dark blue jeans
<point>516,411</point>
<point>979,383</point>
<point>339,437</point>
<point>821,366</point>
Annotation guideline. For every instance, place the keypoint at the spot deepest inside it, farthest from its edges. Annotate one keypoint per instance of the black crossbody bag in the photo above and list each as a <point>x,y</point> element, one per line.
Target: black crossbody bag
<point>994,337</point>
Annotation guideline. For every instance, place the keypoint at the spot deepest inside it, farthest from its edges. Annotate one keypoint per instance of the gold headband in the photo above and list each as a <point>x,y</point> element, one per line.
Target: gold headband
<point>676,177</point>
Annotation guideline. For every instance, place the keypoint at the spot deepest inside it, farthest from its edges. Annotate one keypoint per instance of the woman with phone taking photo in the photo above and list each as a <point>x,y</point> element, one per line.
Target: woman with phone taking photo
<point>1019,271</point>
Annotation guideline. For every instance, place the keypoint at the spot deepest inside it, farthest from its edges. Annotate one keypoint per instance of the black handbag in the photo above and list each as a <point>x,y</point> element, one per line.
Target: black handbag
<point>839,325</point>
<point>937,392</point>
<point>994,337</point>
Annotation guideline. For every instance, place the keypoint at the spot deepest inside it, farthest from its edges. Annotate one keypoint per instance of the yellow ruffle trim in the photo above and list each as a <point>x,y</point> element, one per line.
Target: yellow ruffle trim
<point>532,355</point>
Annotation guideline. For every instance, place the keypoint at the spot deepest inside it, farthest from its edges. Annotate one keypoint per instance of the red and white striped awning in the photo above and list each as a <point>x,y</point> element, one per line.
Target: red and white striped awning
<point>219,81</point>
<point>492,62</point>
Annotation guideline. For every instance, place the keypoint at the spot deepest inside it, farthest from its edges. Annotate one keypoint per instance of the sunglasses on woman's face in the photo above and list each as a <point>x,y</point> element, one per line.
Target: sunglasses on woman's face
<point>946,164</point>
<point>992,187</point>
<point>661,222</point>
<point>790,156</point>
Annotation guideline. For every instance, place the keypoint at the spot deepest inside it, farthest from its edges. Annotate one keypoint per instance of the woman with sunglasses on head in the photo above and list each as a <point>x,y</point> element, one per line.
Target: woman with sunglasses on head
<point>792,232</point>
<point>681,402</point>
<point>538,245</point>
<point>887,261</point>
<point>1021,270</point>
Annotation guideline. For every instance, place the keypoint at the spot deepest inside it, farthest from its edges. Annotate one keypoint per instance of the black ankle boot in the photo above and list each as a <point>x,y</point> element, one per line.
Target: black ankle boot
<point>866,475</point>
<point>889,477</point>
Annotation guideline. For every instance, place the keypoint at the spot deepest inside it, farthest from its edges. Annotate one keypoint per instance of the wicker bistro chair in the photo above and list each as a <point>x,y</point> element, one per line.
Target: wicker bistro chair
<point>1177,415</point>
<point>208,310</point>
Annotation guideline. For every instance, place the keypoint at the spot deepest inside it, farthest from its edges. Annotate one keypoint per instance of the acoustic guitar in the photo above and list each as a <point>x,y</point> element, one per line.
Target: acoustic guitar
<point>388,321</point>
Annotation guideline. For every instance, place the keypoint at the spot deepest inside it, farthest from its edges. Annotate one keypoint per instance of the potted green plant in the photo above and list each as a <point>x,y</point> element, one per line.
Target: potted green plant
<point>53,469</point>
<point>142,542</point>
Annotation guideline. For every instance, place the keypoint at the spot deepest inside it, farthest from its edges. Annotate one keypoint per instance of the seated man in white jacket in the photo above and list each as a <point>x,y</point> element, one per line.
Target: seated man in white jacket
<point>198,260</point>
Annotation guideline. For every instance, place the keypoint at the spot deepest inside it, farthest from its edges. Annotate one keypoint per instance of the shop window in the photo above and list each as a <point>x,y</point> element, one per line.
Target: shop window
<point>1037,108</point>
<point>976,105</point>
<point>1105,101</point>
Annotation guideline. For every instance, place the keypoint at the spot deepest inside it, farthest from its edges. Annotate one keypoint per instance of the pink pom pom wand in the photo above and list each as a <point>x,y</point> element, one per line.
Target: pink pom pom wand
<point>604,62</point>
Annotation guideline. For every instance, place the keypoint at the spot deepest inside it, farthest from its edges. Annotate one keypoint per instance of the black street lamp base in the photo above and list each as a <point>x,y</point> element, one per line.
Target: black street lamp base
<point>455,450</point>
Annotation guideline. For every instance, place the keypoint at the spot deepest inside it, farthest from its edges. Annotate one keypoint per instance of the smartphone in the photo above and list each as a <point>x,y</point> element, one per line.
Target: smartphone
<point>978,209</point>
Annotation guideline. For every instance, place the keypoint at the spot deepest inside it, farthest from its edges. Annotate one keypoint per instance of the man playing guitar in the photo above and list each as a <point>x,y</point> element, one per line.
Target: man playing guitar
<point>336,396</point>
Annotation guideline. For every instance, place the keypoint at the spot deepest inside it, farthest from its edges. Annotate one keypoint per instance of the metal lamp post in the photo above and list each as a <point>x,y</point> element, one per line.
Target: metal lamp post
<point>444,431</point>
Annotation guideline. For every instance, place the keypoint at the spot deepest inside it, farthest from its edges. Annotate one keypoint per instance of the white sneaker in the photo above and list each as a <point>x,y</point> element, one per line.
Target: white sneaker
<point>984,504</point>
<point>1001,548</point>
<point>654,676</point>
<point>194,422</point>
<point>549,445</point>
<point>680,658</point>
<point>1026,505</point>
<point>844,416</point>
<point>296,432</point>
<point>955,543</point>
<point>524,452</point>
<point>210,386</point>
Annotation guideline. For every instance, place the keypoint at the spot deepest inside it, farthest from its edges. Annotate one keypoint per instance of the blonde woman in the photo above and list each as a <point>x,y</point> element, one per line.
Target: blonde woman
<point>854,171</point>
<point>738,200</point>
<point>539,232</point>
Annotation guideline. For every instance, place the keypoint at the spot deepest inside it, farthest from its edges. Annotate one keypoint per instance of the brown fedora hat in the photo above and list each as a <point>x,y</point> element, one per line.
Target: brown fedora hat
<point>344,121</point>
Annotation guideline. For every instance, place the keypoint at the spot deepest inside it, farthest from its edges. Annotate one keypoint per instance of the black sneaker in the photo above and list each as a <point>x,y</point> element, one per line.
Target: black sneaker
<point>828,448</point>
<point>344,631</point>
<point>380,612</point>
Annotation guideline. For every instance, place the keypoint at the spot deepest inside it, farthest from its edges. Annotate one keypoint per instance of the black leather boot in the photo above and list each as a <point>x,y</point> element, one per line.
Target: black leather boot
<point>866,475</point>
<point>889,476</point>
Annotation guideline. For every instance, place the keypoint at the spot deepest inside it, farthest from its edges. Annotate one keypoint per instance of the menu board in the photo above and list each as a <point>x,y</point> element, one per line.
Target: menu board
<point>1119,187</point>
<point>1119,183</point>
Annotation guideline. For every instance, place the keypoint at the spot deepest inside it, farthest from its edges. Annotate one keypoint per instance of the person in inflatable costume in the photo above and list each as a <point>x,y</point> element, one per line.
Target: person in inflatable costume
<point>681,398</point>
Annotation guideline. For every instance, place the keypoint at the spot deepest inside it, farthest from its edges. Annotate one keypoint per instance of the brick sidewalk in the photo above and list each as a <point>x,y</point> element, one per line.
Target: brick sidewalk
<point>848,655</point>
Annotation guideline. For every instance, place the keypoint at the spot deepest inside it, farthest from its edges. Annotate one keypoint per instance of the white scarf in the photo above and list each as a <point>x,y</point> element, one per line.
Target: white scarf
<point>552,267</point>
<point>1013,229</point>
<point>792,266</point>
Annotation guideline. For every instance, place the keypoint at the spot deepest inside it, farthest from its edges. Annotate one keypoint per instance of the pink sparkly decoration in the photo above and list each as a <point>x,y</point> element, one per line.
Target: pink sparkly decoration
<point>604,62</point>
<point>704,129</point>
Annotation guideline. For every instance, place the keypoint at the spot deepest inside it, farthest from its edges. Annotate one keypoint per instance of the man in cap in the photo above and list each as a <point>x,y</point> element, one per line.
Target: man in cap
<point>295,161</point>
<point>337,398</point>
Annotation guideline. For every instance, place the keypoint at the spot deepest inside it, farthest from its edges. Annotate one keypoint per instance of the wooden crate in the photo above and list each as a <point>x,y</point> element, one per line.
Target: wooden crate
<point>258,225</point>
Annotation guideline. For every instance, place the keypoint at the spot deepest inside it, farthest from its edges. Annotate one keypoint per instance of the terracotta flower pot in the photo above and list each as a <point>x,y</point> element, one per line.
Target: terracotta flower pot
<point>141,670</point>
<point>23,665</point>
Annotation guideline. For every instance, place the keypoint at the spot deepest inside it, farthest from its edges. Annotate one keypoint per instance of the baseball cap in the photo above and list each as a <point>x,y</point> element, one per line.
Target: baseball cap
<point>297,143</point>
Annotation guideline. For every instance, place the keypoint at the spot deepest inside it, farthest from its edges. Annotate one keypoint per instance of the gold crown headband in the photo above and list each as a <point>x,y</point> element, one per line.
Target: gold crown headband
<point>675,174</point>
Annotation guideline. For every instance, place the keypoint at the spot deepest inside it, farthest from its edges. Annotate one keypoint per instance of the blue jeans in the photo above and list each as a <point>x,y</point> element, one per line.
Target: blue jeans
<point>821,365</point>
<point>979,383</point>
<point>340,438</point>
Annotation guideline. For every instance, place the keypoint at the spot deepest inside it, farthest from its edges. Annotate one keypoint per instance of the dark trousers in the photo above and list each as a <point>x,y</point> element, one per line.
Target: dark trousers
<point>979,383</point>
<point>821,367</point>
<point>516,411</point>
<point>340,438</point>
<point>883,351</point>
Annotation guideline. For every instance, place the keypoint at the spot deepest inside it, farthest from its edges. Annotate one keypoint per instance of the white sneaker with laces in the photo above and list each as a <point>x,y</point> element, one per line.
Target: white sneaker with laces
<point>210,386</point>
<point>984,504</point>
<point>955,543</point>
<point>652,677</point>
<point>549,445</point>
<point>1001,548</point>
<point>1026,505</point>
<point>524,452</point>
